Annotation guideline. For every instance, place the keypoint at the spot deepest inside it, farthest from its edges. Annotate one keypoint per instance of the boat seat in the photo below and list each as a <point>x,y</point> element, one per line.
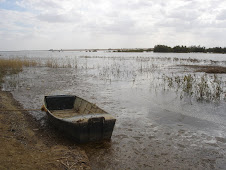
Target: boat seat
<point>84,118</point>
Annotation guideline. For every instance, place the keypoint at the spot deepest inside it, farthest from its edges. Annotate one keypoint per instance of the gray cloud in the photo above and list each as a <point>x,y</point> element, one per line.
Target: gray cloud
<point>53,18</point>
<point>187,15</point>
<point>59,18</point>
<point>221,15</point>
<point>78,22</point>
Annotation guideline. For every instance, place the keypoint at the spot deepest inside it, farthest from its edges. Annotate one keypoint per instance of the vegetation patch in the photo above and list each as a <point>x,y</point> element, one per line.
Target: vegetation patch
<point>203,88</point>
<point>13,66</point>
<point>190,49</point>
<point>208,69</point>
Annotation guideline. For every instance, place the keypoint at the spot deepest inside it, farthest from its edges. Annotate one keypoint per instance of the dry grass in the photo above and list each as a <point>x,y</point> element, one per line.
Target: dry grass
<point>52,63</point>
<point>208,69</point>
<point>25,144</point>
<point>13,66</point>
<point>56,63</point>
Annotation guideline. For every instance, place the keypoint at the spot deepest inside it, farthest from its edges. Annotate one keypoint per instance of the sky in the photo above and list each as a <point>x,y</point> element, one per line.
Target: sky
<point>81,24</point>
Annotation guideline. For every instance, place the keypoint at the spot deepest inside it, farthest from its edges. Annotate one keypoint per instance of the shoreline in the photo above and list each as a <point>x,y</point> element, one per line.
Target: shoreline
<point>25,144</point>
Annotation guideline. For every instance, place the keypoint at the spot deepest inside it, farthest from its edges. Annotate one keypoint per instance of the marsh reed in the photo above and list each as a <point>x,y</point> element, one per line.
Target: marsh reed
<point>13,66</point>
<point>203,87</point>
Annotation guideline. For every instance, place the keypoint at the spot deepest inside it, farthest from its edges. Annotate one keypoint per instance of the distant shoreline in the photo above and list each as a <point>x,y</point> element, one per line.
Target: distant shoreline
<point>156,49</point>
<point>190,49</point>
<point>21,50</point>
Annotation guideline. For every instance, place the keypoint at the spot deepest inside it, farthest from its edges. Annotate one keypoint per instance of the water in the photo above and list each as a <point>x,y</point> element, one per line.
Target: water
<point>158,126</point>
<point>44,54</point>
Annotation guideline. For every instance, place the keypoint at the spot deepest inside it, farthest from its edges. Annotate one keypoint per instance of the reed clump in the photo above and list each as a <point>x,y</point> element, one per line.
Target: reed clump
<point>61,63</point>
<point>52,63</point>
<point>203,88</point>
<point>13,66</point>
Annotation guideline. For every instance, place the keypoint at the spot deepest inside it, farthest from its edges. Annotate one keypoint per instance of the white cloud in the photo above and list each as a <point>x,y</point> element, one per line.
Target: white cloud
<point>109,23</point>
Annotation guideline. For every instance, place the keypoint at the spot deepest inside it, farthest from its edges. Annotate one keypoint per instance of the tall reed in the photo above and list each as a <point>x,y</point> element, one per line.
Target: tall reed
<point>13,66</point>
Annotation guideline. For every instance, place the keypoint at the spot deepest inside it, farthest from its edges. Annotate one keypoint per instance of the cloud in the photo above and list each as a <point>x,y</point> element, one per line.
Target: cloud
<point>109,23</point>
<point>221,15</point>
<point>58,18</point>
<point>40,5</point>
<point>185,15</point>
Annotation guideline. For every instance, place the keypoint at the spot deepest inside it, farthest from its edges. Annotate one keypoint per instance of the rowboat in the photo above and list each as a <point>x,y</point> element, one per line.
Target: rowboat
<point>79,119</point>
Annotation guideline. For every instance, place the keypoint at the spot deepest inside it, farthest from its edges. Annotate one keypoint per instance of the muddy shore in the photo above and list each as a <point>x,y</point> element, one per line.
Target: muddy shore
<point>27,145</point>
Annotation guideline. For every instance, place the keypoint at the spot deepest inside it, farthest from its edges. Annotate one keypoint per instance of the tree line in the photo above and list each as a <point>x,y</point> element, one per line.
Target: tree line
<point>190,49</point>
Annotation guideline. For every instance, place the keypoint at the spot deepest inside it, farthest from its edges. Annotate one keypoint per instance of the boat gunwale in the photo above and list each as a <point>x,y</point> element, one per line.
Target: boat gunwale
<point>66,119</point>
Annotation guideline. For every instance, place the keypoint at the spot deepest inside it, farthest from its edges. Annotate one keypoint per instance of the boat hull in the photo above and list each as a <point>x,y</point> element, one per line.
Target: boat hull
<point>83,128</point>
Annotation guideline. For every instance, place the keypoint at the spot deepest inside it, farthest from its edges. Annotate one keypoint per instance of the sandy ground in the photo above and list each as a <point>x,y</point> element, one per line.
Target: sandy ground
<point>27,145</point>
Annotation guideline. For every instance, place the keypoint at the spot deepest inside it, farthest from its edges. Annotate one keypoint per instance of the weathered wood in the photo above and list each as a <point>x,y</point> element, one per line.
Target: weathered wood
<point>78,118</point>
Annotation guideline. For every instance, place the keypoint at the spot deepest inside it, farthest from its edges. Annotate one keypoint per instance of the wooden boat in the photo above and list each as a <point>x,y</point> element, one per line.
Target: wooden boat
<point>78,118</point>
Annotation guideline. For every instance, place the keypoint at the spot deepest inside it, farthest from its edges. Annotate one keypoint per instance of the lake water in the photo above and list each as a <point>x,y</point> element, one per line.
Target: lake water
<point>160,122</point>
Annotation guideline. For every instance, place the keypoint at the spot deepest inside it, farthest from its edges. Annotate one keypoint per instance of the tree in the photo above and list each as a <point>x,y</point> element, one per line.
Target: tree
<point>162,48</point>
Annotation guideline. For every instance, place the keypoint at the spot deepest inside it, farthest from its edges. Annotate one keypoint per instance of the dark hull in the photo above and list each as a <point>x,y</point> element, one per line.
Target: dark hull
<point>94,128</point>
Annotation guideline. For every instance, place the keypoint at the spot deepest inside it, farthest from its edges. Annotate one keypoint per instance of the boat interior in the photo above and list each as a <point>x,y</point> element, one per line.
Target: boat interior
<point>64,106</point>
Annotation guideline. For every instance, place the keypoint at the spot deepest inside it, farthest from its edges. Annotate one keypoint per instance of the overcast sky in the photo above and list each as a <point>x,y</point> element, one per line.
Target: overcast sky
<point>66,24</point>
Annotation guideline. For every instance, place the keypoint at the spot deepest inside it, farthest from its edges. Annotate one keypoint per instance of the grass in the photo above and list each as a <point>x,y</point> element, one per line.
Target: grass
<point>61,63</point>
<point>203,88</point>
<point>208,69</point>
<point>13,66</point>
<point>52,63</point>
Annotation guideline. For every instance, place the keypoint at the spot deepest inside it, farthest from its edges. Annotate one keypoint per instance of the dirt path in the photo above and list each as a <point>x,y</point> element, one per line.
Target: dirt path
<point>24,144</point>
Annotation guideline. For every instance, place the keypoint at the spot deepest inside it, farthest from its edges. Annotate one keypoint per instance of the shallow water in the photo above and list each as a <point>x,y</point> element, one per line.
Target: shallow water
<point>156,127</point>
